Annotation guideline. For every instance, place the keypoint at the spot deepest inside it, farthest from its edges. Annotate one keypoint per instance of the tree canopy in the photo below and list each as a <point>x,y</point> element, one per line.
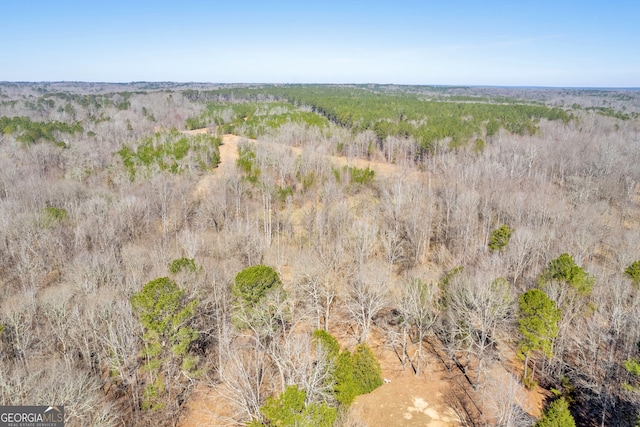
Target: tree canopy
<point>386,113</point>
<point>165,315</point>
<point>253,283</point>
<point>538,322</point>
<point>564,269</point>
<point>557,415</point>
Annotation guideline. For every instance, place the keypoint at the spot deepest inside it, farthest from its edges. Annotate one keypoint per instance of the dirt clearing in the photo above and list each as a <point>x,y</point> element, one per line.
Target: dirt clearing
<point>408,400</point>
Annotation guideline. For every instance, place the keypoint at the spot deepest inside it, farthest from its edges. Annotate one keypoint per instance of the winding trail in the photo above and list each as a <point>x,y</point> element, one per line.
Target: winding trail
<point>229,156</point>
<point>226,167</point>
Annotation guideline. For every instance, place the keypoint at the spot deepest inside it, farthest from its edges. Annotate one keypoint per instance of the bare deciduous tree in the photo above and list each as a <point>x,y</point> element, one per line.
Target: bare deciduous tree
<point>419,308</point>
<point>482,307</point>
<point>303,363</point>
<point>508,402</point>
<point>246,375</point>
<point>365,298</point>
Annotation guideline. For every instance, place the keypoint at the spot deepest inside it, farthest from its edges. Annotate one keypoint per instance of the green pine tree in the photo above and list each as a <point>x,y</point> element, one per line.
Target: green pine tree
<point>564,269</point>
<point>346,388</point>
<point>633,272</point>
<point>328,342</point>
<point>260,301</point>
<point>252,283</point>
<point>557,415</point>
<point>538,325</point>
<point>632,366</point>
<point>165,315</point>
<point>367,373</point>
<point>353,374</point>
<point>500,238</point>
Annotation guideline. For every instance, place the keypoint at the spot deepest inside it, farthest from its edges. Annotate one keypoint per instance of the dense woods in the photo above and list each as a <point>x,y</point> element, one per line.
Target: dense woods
<point>490,233</point>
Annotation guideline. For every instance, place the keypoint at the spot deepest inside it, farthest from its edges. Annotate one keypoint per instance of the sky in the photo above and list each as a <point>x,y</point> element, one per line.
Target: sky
<point>560,43</point>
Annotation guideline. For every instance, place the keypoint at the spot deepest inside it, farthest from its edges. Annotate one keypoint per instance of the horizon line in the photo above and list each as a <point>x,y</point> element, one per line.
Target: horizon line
<point>451,85</point>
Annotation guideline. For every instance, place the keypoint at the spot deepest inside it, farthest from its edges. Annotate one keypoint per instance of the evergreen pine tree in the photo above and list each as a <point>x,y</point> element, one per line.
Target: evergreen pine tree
<point>557,415</point>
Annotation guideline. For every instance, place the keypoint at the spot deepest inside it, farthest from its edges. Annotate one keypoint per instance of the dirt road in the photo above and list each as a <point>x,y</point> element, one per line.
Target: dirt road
<point>229,156</point>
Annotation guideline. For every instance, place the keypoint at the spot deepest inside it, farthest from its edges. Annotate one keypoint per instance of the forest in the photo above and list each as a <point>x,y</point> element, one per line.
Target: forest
<point>314,255</point>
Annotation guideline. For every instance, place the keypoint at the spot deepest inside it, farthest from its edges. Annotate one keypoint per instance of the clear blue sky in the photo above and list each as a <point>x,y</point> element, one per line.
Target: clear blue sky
<point>530,43</point>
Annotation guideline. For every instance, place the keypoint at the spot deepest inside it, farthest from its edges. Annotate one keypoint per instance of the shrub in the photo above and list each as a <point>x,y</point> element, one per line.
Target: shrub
<point>52,216</point>
<point>289,409</point>
<point>500,238</point>
<point>633,272</point>
<point>361,176</point>
<point>182,264</point>
<point>247,162</point>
